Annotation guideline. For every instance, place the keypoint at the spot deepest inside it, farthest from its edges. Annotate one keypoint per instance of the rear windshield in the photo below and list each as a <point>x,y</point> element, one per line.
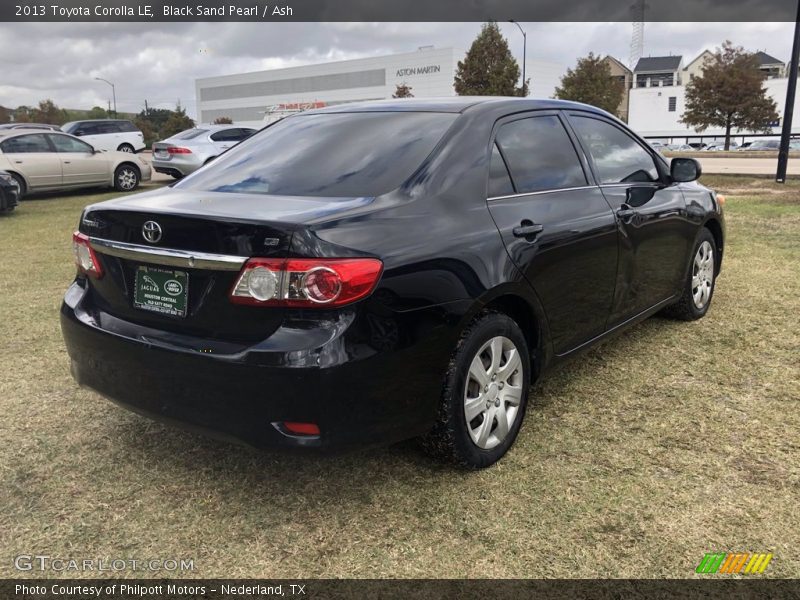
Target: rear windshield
<point>188,134</point>
<point>329,154</point>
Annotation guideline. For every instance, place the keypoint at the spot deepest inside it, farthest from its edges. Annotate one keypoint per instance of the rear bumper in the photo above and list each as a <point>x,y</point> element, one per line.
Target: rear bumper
<point>180,166</point>
<point>361,396</point>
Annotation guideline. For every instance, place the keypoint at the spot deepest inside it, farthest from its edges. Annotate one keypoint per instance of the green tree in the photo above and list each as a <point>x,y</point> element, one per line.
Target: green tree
<point>97,112</point>
<point>590,82</point>
<point>22,114</point>
<point>178,121</point>
<point>730,94</point>
<point>402,90</point>
<point>223,121</point>
<point>149,132</point>
<point>489,68</point>
<point>48,112</point>
<point>5,114</point>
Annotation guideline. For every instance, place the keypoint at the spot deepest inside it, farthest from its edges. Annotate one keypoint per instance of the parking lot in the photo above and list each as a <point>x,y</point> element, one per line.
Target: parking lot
<point>670,441</point>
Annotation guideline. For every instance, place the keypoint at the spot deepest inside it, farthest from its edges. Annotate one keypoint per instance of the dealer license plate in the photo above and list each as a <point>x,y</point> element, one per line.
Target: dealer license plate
<point>161,290</point>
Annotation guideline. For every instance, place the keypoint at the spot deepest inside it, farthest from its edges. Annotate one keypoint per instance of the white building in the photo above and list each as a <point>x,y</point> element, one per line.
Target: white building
<point>655,112</point>
<point>429,71</point>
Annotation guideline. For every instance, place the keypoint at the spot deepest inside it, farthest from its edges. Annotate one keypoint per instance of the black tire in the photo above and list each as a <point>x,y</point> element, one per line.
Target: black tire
<point>450,440</point>
<point>23,189</point>
<point>126,178</point>
<point>687,308</point>
<point>126,148</point>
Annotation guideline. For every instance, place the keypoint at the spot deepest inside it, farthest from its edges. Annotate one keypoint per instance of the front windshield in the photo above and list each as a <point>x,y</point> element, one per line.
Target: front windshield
<point>326,154</point>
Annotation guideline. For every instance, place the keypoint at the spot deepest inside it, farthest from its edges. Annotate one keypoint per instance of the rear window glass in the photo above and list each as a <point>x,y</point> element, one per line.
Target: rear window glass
<point>189,134</point>
<point>330,154</point>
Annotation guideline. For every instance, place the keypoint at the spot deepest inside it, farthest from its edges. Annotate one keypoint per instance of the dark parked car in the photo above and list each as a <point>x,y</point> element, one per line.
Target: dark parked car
<point>368,273</point>
<point>9,192</point>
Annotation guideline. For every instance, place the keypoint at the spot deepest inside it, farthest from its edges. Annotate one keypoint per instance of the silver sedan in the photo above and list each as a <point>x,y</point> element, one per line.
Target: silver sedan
<point>187,151</point>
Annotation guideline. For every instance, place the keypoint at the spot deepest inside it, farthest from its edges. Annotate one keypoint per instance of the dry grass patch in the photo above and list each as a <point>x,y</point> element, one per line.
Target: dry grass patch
<point>636,458</point>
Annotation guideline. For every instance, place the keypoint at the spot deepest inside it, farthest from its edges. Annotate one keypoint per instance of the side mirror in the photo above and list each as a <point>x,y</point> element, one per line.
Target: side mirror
<point>78,133</point>
<point>685,169</point>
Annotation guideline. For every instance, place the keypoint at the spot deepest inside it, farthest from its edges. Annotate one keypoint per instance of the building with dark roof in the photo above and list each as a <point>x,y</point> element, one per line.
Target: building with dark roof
<point>770,66</point>
<point>658,71</point>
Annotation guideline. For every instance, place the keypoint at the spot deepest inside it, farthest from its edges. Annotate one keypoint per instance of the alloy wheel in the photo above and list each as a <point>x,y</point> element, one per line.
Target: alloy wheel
<point>127,179</point>
<point>702,275</point>
<point>493,392</point>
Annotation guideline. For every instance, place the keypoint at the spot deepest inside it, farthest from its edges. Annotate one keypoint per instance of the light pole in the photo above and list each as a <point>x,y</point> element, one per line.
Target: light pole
<point>524,52</point>
<point>788,112</point>
<point>113,93</point>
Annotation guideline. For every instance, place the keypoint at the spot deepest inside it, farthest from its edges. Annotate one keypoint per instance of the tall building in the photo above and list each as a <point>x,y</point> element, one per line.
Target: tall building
<point>247,97</point>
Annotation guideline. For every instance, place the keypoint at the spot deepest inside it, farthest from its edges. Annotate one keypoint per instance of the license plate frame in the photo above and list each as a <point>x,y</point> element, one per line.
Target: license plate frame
<point>160,290</point>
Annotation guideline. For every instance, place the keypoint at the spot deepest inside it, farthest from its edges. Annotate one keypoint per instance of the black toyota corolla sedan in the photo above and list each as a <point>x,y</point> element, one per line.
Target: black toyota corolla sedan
<point>373,272</point>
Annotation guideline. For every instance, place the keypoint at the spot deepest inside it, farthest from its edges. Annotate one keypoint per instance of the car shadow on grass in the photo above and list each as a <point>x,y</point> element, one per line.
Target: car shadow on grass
<point>179,455</point>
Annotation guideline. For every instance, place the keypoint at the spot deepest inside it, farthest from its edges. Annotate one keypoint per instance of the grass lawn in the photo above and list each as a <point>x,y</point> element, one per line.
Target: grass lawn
<point>670,441</point>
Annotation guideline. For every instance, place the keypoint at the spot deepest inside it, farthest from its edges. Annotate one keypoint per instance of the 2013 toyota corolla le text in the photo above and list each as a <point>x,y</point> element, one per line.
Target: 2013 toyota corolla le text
<point>373,272</point>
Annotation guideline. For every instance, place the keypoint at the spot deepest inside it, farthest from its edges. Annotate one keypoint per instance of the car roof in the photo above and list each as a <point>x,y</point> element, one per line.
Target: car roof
<point>455,104</point>
<point>7,133</point>
<point>97,121</point>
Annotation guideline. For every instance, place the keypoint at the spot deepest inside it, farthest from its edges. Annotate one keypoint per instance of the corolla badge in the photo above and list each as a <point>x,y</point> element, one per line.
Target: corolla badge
<point>151,231</point>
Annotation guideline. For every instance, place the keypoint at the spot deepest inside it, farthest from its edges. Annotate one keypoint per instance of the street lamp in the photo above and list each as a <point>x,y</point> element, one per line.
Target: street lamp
<point>524,51</point>
<point>113,93</point>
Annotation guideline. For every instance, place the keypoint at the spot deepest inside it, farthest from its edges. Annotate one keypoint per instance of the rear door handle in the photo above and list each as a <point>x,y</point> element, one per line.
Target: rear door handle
<point>527,229</point>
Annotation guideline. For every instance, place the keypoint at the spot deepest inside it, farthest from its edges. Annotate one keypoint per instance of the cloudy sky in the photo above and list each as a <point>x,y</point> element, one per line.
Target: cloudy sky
<point>159,62</point>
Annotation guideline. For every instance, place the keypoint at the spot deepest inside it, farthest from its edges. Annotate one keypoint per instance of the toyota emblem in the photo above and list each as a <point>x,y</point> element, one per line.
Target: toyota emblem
<point>151,231</point>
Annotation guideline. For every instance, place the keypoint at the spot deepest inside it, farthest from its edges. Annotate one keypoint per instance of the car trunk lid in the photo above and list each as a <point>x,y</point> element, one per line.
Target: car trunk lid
<point>171,258</point>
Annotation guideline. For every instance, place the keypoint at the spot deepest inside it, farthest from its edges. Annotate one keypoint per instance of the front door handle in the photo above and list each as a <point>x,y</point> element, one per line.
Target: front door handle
<point>626,212</point>
<point>527,229</point>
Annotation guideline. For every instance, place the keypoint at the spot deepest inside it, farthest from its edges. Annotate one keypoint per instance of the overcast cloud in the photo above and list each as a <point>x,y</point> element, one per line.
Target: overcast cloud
<point>160,61</point>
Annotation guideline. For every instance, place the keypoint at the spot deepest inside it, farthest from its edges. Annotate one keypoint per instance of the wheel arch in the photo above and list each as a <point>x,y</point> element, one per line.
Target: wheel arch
<point>715,227</point>
<point>22,177</point>
<point>526,311</point>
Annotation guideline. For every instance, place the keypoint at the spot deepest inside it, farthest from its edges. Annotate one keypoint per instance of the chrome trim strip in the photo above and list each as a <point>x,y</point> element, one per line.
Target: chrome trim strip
<point>168,256</point>
<point>537,192</point>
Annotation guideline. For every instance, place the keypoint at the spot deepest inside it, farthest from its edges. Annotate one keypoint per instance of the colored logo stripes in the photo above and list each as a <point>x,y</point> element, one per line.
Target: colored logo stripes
<point>734,562</point>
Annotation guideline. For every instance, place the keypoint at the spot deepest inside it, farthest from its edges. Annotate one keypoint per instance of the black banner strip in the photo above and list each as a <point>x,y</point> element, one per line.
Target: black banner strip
<point>394,10</point>
<point>404,589</point>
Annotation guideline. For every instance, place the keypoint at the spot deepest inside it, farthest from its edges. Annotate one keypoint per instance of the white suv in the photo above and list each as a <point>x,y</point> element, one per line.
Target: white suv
<point>107,134</point>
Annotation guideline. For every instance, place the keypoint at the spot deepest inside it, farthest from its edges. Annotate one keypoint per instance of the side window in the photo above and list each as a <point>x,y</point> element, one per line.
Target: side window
<point>499,179</point>
<point>35,142</point>
<point>109,127</point>
<point>540,155</point>
<point>126,126</point>
<point>68,144</point>
<point>87,129</point>
<point>618,158</point>
<point>246,133</point>
<point>226,135</point>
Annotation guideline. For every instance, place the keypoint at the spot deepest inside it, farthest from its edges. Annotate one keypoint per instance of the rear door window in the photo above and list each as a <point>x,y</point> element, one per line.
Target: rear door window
<point>26,144</point>
<point>499,179</point>
<point>540,155</point>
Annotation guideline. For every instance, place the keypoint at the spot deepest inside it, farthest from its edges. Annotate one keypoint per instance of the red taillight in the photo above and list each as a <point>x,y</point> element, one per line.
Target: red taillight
<point>301,428</point>
<point>178,150</point>
<point>327,282</point>
<point>85,257</point>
